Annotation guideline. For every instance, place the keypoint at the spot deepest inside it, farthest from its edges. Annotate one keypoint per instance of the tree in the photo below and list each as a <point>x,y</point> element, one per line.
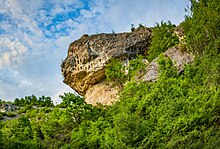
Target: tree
<point>132,27</point>
<point>70,99</point>
<point>33,100</point>
<point>17,102</point>
<point>201,27</point>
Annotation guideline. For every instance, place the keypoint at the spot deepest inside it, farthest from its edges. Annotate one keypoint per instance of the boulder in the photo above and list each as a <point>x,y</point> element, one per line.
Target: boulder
<point>179,59</point>
<point>84,67</point>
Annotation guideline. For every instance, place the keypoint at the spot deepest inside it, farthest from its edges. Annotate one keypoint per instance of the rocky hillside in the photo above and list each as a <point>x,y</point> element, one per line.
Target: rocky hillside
<point>84,67</point>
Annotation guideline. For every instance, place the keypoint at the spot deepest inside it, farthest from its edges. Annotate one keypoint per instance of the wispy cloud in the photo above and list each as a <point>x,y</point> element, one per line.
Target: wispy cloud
<point>34,36</point>
<point>11,52</point>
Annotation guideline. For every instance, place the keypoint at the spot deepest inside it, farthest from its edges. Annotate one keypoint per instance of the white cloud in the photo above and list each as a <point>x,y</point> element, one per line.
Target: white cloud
<point>37,34</point>
<point>59,92</point>
<point>64,6</point>
<point>16,51</point>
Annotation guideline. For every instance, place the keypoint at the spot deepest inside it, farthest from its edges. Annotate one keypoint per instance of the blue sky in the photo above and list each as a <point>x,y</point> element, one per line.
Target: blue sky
<point>35,35</point>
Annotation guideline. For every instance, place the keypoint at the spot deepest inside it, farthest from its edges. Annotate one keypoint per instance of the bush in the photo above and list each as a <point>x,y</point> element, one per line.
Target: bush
<point>115,72</point>
<point>11,114</point>
<point>135,65</point>
<point>24,109</point>
<point>70,100</point>
<point>1,116</point>
<point>31,113</point>
<point>163,38</point>
<point>3,113</point>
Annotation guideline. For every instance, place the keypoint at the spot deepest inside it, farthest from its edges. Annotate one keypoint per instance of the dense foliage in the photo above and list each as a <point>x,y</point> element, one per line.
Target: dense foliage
<point>34,101</point>
<point>179,110</point>
<point>135,65</point>
<point>163,38</point>
<point>115,72</point>
<point>202,25</point>
<point>118,72</point>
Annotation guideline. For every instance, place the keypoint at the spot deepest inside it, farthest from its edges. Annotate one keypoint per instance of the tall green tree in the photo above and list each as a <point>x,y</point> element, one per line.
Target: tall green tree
<point>202,25</point>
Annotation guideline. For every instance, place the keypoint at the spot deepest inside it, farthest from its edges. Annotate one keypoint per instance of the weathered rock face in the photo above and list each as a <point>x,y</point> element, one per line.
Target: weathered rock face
<point>7,108</point>
<point>102,93</point>
<point>84,66</point>
<point>179,59</point>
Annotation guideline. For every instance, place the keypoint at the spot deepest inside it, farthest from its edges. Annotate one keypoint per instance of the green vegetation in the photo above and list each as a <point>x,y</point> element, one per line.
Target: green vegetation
<point>180,110</point>
<point>11,114</point>
<point>69,99</point>
<point>135,65</point>
<point>33,101</point>
<point>163,38</point>
<point>3,113</point>
<point>1,116</point>
<point>202,28</point>
<point>24,109</point>
<point>115,72</point>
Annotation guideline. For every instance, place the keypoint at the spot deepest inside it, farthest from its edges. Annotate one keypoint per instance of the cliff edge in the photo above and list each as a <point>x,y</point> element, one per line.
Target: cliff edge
<point>84,67</point>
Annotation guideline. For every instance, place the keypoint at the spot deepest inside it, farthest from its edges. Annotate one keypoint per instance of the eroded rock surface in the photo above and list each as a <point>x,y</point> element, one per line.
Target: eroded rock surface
<point>103,93</point>
<point>179,59</point>
<point>84,66</point>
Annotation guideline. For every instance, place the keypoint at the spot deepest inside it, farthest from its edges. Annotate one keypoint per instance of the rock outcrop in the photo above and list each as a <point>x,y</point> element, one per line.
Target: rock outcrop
<point>84,67</point>
<point>7,107</point>
<point>179,59</point>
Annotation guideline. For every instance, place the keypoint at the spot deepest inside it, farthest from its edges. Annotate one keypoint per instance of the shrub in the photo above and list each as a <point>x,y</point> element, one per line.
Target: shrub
<point>24,109</point>
<point>135,65</point>
<point>163,38</point>
<point>11,114</point>
<point>115,72</point>
<point>3,113</point>
<point>1,116</point>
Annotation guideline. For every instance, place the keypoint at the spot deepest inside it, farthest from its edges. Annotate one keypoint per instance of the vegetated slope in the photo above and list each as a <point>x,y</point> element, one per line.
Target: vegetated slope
<point>179,110</point>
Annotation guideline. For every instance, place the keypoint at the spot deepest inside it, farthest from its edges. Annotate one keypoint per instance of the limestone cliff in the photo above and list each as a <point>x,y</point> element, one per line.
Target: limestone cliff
<point>84,67</point>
